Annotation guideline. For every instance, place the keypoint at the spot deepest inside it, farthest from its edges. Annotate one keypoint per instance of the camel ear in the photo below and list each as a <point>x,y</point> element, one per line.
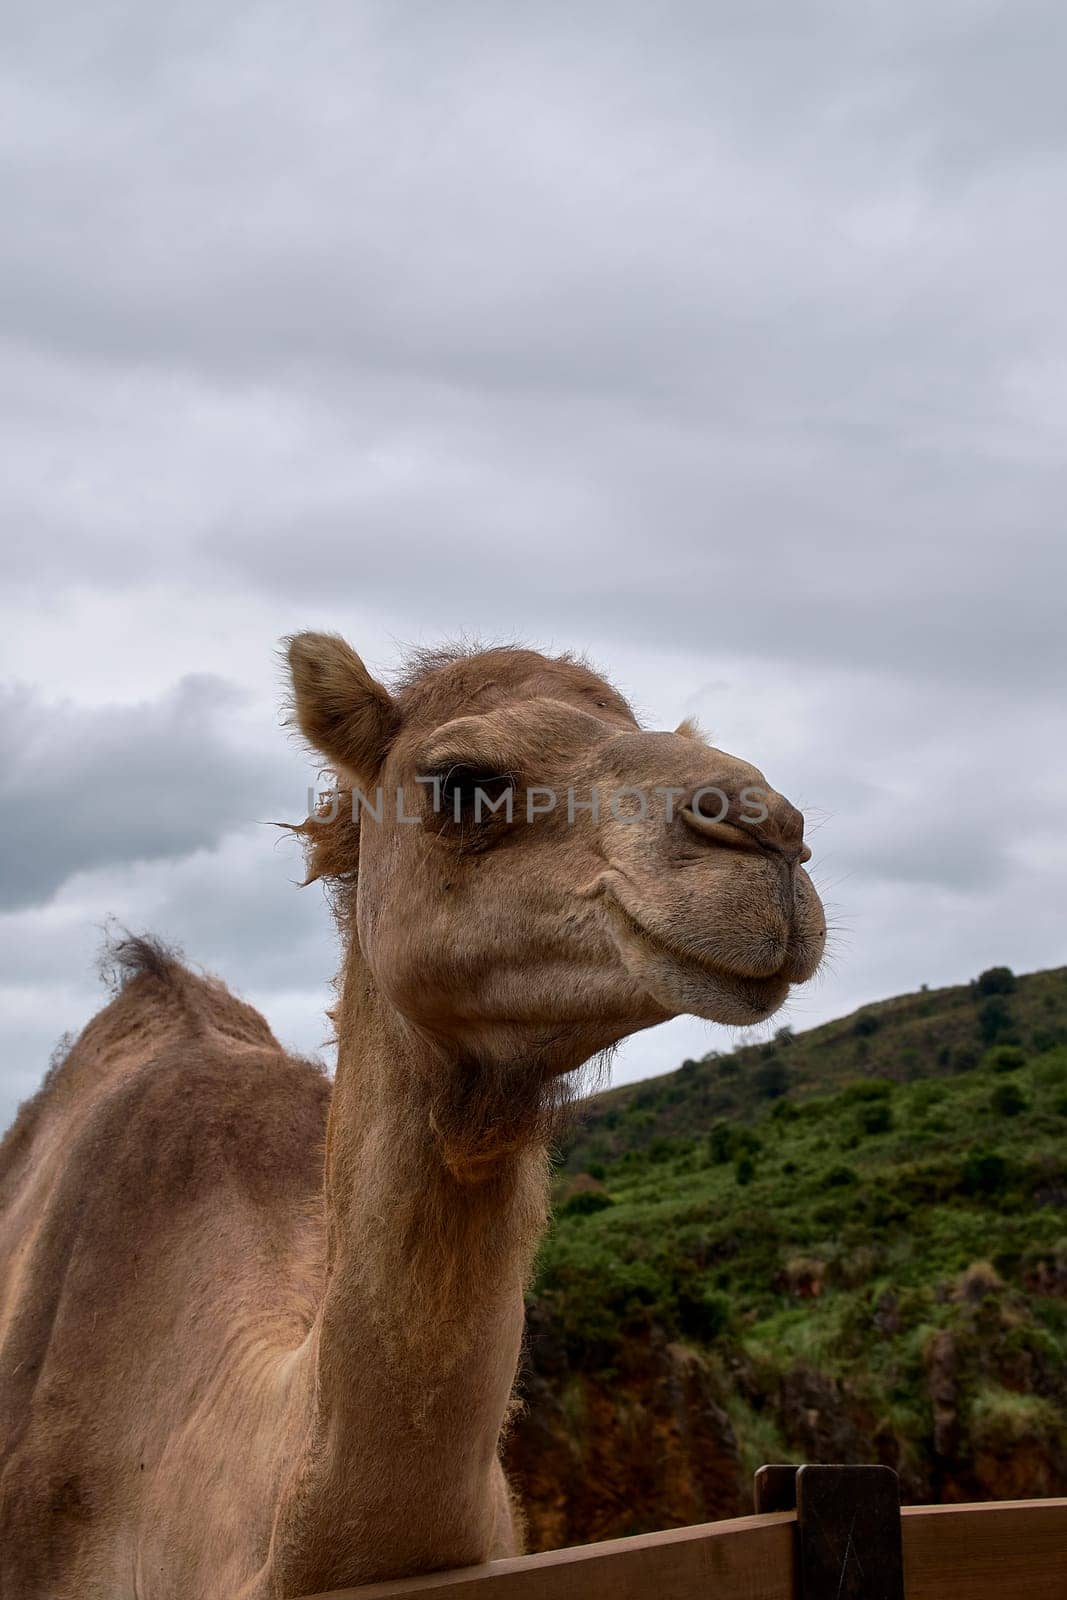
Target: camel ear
<point>341,710</point>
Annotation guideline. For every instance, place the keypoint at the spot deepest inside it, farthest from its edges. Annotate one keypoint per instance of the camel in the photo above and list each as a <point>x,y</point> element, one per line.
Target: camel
<point>258,1333</point>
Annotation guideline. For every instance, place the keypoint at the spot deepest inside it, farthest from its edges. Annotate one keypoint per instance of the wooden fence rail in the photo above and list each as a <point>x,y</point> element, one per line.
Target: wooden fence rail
<point>846,1541</point>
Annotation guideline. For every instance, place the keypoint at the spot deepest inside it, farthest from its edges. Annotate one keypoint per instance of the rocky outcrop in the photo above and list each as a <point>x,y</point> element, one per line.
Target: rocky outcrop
<point>599,1452</point>
<point>598,1456</point>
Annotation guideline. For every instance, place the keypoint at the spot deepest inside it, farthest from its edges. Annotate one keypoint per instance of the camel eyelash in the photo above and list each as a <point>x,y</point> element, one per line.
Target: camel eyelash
<point>464,792</point>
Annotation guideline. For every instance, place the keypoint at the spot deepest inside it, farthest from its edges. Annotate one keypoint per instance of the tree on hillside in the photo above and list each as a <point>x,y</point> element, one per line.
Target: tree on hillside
<point>995,1019</point>
<point>995,980</point>
<point>772,1078</point>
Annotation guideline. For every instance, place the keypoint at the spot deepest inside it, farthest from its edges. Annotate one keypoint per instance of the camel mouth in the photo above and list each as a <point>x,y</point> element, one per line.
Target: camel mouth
<point>685,982</point>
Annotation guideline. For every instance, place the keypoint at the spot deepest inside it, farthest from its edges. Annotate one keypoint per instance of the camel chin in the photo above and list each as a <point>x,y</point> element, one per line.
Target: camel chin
<point>685,986</point>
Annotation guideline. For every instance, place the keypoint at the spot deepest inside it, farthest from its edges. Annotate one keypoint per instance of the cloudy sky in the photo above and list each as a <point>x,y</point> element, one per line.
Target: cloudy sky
<point>726,342</point>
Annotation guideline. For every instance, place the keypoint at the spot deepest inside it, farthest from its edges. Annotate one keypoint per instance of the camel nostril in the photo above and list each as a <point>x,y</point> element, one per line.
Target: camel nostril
<point>728,835</point>
<point>755,819</point>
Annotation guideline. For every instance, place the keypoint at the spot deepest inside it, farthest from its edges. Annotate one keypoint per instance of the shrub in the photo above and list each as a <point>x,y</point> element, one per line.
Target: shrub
<point>884,1206</point>
<point>840,1177</point>
<point>745,1170</point>
<point>995,980</point>
<point>784,1036</point>
<point>1002,1420</point>
<point>630,1284</point>
<point>977,1283</point>
<point>1052,1068</point>
<point>877,1117</point>
<point>1005,1058</point>
<point>965,1057</point>
<point>703,1315</point>
<point>584,1203</point>
<point>984,1172</point>
<point>867,1089</point>
<point>866,1023</point>
<point>1008,1100</point>
<point>772,1079</point>
<point>721,1143</point>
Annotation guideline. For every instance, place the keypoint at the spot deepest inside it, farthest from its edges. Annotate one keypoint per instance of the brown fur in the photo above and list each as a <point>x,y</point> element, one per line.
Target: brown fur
<point>258,1336</point>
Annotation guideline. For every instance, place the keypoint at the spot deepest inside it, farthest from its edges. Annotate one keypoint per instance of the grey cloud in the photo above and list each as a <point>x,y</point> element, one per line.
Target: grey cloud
<point>804,588</point>
<point>85,788</point>
<point>456,204</point>
<point>652,307</point>
<point>234,908</point>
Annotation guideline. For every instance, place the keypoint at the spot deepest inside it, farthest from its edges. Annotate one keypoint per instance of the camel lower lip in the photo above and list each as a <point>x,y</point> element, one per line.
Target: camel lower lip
<point>761,993</point>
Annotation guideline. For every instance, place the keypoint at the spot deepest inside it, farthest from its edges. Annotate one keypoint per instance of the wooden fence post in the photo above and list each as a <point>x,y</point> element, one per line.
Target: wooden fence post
<point>849,1543</point>
<point>775,1488</point>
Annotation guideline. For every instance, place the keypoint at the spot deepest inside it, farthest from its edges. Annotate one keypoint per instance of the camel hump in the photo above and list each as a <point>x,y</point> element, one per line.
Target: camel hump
<point>157,1001</point>
<point>153,976</point>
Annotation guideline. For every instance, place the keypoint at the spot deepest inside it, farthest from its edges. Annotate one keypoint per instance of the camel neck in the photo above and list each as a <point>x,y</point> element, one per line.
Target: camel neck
<point>418,1336</point>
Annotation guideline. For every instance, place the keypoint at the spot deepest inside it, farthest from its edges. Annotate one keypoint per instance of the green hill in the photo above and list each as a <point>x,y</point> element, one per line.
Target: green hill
<point>846,1244</point>
<point>937,1033</point>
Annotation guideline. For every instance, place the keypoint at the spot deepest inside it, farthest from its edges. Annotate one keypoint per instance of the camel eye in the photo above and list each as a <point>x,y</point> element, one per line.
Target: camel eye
<point>475,795</point>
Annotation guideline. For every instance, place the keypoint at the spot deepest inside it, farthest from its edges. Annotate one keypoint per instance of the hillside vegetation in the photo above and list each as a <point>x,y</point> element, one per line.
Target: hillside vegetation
<point>847,1244</point>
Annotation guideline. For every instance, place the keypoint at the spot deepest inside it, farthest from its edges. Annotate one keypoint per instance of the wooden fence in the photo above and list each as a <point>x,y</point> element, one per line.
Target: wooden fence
<point>820,1533</point>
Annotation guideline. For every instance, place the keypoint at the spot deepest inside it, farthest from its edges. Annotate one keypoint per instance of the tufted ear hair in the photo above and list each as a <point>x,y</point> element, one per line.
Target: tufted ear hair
<point>341,710</point>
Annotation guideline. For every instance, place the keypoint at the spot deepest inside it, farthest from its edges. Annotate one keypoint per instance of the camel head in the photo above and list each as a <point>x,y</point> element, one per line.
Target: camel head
<point>527,873</point>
